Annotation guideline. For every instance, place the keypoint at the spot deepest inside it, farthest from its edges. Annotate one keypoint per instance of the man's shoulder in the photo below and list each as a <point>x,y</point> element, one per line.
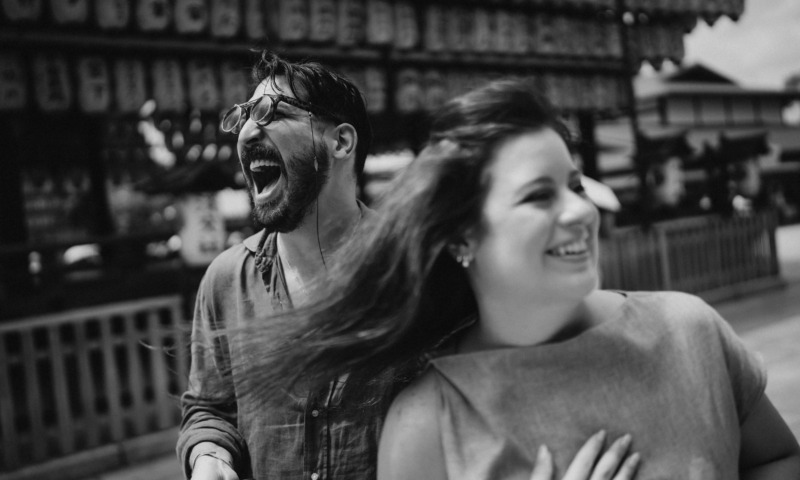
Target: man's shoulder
<point>229,265</point>
<point>228,259</point>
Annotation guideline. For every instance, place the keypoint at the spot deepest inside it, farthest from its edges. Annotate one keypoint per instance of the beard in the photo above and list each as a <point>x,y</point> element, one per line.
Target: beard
<point>303,185</point>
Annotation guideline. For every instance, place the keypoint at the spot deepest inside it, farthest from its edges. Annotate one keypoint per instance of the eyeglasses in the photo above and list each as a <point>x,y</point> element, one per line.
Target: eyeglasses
<point>262,111</point>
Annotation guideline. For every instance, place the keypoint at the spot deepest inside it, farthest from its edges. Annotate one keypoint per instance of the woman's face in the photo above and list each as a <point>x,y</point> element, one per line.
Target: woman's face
<point>538,235</point>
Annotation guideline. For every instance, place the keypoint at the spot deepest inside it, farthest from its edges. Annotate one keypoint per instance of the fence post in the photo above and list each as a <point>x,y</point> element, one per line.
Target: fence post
<point>663,257</point>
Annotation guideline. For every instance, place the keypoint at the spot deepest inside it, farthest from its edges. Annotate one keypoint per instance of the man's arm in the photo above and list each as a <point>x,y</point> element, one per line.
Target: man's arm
<point>209,440</point>
<point>768,449</point>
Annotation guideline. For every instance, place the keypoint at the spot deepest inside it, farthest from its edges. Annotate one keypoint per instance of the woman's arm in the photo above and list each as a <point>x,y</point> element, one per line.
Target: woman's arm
<point>410,445</point>
<point>769,449</point>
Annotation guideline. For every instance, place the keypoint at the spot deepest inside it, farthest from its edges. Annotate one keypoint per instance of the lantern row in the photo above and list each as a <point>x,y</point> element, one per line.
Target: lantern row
<point>123,85</point>
<point>229,18</point>
<point>482,28</point>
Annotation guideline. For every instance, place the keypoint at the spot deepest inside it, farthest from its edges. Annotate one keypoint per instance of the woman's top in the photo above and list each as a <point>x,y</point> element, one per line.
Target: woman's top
<point>667,369</point>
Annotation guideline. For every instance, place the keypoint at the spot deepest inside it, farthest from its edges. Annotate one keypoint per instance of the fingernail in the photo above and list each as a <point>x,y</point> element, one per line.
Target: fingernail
<point>600,435</point>
<point>626,439</point>
<point>544,452</point>
<point>635,458</point>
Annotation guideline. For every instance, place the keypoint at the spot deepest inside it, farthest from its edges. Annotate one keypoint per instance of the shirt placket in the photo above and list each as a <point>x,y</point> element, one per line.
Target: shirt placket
<point>318,448</point>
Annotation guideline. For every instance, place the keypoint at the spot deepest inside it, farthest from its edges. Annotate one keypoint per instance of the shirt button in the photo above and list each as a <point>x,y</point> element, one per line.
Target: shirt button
<point>314,476</point>
<point>315,414</point>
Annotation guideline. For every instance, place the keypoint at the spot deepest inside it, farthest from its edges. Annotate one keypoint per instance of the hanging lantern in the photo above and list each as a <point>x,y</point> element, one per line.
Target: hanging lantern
<point>376,89</point>
<point>153,15</point>
<point>53,88</point>
<point>70,12</point>
<point>435,28</point>
<point>13,84</point>
<point>112,14</point>
<point>380,22</point>
<point>191,16</point>
<point>408,93</point>
<point>254,19</point>
<point>294,20</point>
<point>482,30</point>
<point>22,10</point>
<point>352,28</point>
<point>226,18</point>
<point>203,89</point>
<point>406,25</point>
<point>323,20</point>
<point>168,89</point>
<point>129,80</point>
<point>235,87</point>
<point>94,86</point>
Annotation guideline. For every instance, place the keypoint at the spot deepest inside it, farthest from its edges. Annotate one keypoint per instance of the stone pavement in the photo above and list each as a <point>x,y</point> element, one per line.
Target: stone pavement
<point>768,322</point>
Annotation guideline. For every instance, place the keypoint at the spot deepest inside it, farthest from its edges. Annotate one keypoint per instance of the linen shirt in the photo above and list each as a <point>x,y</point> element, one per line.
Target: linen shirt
<point>668,370</point>
<point>312,437</point>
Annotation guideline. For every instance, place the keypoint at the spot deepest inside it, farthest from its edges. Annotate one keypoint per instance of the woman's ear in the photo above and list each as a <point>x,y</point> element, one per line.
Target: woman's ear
<point>464,245</point>
<point>344,139</point>
<point>462,252</point>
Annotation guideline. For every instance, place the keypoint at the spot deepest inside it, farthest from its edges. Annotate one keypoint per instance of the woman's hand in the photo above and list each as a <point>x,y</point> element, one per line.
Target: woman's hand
<point>614,464</point>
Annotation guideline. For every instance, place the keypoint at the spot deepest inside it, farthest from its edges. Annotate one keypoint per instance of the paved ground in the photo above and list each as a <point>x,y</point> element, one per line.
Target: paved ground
<point>769,322</point>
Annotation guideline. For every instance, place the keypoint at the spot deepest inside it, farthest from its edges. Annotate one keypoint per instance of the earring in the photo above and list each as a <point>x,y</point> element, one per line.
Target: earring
<point>464,259</point>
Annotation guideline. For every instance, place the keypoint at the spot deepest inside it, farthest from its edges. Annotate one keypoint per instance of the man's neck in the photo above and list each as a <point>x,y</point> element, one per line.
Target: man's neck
<point>306,250</point>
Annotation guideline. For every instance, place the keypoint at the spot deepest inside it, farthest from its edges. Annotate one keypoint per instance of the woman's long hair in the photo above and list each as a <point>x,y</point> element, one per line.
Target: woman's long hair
<point>395,291</point>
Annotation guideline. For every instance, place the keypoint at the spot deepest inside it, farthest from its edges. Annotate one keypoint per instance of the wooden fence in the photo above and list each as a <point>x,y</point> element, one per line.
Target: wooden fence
<point>78,380</point>
<point>703,255</point>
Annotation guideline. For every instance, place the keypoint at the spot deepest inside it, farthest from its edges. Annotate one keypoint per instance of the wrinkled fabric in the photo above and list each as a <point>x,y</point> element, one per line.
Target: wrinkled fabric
<point>322,433</point>
<point>668,370</point>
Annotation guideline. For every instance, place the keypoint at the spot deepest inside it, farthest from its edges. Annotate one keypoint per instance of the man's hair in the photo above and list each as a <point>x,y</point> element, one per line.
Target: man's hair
<point>321,86</point>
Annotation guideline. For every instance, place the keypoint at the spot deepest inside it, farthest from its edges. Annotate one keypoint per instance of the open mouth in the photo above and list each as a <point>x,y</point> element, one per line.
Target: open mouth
<point>265,175</point>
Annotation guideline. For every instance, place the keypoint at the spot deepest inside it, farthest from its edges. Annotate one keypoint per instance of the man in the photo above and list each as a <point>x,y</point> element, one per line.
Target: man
<point>302,141</point>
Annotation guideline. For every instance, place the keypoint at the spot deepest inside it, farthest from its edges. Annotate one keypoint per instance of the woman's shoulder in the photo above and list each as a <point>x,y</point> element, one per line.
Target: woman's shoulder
<point>677,311</point>
<point>416,404</point>
<point>411,431</point>
<point>668,301</point>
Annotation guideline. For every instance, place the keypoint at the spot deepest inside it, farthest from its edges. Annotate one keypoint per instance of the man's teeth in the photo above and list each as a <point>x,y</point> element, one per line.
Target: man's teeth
<point>263,163</point>
<point>577,247</point>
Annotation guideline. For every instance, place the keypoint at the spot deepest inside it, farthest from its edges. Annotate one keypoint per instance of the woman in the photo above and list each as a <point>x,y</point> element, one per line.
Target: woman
<point>486,253</point>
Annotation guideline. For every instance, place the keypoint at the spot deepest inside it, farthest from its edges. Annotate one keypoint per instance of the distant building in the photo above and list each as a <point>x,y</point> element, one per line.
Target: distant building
<point>752,131</point>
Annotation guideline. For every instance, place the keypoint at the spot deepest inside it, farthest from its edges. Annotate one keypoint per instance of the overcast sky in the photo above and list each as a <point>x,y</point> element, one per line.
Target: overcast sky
<point>760,50</point>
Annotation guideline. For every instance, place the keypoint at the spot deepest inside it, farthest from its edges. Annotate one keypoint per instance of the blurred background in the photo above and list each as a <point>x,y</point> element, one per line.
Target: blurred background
<point>117,187</point>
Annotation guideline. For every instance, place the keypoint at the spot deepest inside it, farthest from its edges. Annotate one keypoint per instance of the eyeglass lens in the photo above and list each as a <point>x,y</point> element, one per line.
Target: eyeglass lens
<point>259,111</point>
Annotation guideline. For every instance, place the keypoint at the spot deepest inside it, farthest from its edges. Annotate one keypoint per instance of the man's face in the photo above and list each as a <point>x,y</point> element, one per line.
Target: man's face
<point>278,162</point>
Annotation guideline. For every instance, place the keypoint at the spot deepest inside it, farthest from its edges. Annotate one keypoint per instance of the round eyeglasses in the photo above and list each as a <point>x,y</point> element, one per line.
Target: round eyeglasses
<point>262,111</point>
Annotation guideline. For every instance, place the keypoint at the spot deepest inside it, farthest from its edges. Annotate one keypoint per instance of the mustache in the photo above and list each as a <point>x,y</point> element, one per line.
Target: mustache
<point>259,151</point>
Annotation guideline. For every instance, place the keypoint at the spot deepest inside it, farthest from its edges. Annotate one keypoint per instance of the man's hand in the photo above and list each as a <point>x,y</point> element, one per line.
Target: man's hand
<point>207,467</point>
<point>614,464</point>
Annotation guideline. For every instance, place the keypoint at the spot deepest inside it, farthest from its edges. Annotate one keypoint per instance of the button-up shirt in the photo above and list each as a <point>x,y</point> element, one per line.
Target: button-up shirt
<point>322,435</point>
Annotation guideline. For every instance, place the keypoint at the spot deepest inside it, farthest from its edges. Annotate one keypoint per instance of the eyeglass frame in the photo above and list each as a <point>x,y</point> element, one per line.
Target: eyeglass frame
<point>276,99</point>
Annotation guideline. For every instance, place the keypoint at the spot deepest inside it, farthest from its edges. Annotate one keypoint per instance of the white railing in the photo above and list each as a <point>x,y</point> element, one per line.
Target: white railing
<point>696,255</point>
<point>77,380</point>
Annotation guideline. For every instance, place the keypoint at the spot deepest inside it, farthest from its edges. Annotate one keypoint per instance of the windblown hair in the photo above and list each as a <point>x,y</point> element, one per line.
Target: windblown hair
<point>395,291</point>
<point>321,86</point>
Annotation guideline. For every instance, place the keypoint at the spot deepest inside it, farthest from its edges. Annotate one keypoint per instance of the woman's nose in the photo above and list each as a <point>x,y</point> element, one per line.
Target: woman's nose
<point>578,209</point>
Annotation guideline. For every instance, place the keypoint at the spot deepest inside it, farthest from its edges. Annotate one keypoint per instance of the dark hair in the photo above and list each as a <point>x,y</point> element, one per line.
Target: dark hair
<point>324,88</point>
<point>395,291</point>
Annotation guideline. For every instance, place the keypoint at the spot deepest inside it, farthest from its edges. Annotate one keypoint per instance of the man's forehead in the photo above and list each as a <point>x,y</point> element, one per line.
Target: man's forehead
<point>280,86</point>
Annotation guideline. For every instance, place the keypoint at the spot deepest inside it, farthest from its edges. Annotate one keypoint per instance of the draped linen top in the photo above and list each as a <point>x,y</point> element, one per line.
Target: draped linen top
<point>668,370</point>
